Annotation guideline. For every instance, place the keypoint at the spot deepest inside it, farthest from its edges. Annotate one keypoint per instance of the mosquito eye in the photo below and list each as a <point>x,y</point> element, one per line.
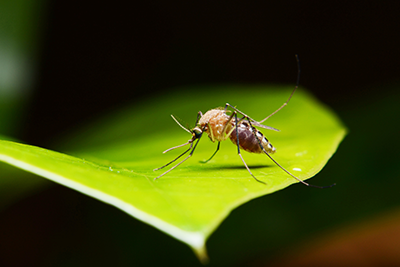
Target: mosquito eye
<point>197,133</point>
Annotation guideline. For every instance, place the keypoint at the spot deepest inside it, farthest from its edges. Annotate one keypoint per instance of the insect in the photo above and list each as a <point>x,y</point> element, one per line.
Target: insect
<point>220,126</point>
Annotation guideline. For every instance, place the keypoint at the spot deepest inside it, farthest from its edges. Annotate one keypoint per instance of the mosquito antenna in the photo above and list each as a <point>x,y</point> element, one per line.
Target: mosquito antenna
<point>295,88</point>
<point>184,128</point>
<point>191,153</point>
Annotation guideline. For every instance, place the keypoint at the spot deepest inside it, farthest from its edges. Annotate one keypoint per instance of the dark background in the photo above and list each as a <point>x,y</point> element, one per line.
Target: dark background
<point>100,57</point>
<point>96,57</point>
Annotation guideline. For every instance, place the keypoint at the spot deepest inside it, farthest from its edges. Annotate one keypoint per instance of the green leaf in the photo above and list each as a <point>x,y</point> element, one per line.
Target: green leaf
<point>114,159</point>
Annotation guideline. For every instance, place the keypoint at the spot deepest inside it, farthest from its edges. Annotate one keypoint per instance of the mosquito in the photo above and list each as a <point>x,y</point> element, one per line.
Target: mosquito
<point>220,126</point>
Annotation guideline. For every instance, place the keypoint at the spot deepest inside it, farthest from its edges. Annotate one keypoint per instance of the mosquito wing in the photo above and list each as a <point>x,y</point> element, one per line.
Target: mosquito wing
<point>257,124</point>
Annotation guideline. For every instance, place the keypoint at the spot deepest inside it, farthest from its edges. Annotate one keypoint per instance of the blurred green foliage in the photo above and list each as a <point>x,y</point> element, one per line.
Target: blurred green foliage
<point>20,36</point>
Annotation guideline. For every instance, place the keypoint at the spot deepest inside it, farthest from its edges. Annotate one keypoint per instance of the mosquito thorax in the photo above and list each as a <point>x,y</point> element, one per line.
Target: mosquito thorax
<point>217,120</point>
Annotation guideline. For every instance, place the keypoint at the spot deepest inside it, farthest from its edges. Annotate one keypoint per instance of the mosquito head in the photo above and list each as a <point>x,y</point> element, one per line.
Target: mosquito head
<point>197,132</point>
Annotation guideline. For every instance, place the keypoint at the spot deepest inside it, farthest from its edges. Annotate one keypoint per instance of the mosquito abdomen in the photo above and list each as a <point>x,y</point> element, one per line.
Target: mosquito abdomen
<point>248,141</point>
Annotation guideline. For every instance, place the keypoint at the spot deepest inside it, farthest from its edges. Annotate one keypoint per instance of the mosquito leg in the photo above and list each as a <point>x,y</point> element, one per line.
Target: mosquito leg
<point>263,149</point>
<point>256,123</point>
<point>295,88</point>
<point>205,161</point>
<point>175,147</point>
<point>212,136</point>
<point>191,153</point>
<point>228,123</point>
<point>199,115</point>
<point>238,111</point>
<point>223,130</point>
<point>211,132</point>
<point>240,154</point>
<point>184,128</point>
<point>191,144</point>
<point>280,166</point>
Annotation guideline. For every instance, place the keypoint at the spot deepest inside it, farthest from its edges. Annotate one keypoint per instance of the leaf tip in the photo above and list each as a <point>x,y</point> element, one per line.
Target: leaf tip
<point>201,253</point>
